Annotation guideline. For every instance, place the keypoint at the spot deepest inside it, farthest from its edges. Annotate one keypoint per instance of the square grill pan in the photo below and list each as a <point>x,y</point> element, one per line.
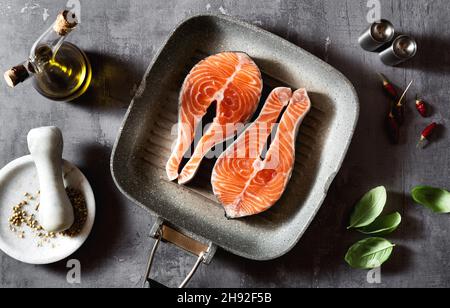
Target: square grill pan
<point>145,138</point>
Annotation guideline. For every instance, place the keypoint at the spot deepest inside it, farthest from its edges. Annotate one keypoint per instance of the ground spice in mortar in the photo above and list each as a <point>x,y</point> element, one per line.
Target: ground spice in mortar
<point>21,216</point>
<point>79,210</point>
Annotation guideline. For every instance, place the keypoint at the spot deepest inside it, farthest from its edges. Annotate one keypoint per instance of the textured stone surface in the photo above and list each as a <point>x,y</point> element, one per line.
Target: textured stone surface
<point>122,36</point>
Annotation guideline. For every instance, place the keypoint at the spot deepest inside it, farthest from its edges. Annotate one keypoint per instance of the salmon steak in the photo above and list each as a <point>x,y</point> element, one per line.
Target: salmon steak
<point>245,182</point>
<point>230,80</point>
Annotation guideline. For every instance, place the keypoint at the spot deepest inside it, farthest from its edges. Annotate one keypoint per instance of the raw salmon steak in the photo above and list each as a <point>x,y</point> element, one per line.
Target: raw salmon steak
<point>232,81</point>
<point>244,182</point>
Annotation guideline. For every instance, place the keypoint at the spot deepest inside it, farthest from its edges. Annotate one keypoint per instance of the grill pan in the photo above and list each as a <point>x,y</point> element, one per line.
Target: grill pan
<point>190,216</point>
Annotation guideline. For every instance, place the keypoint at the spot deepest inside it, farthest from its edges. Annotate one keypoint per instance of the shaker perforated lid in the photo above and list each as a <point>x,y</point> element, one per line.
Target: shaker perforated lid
<point>378,34</point>
<point>65,22</point>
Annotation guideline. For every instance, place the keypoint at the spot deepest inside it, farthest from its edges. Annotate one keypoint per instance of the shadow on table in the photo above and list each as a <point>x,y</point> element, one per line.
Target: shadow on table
<point>432,55</point>
<point>114,82</point>
<point>113,85</point>
<point>318,259</point>
<point>410,228</point>
<point>110,214</point>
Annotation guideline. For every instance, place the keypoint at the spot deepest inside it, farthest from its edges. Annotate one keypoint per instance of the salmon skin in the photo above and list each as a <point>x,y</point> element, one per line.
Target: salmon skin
<point>230,79</point>
<point>244,182</point>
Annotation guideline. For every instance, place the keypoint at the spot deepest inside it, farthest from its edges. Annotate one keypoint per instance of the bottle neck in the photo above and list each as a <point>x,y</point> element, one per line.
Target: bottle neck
<point>55,36</point>
<point>50,39</point>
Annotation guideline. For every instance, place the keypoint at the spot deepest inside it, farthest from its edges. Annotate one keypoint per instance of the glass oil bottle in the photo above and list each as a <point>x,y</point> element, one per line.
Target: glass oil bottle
<point>59,69</point>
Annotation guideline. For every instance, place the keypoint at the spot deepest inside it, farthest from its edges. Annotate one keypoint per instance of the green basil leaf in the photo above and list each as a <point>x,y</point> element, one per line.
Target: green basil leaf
<point>383,225</point>
<point>438,200</point>
<point>368,208</point>
<point>369,253</point>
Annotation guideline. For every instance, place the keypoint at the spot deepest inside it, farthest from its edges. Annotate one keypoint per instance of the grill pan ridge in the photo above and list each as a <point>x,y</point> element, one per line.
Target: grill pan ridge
<point>145,138</point>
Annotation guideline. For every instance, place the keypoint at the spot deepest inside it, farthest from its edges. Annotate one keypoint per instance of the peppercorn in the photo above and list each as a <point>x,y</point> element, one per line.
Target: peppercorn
<point>20,216</point>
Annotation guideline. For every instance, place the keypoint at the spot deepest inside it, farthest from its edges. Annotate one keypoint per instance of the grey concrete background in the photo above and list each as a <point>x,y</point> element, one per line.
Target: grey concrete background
<point>121,38</point>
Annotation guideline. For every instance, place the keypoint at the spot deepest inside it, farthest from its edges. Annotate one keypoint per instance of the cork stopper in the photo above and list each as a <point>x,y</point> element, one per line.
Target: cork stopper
<point>16,75</point>
<point>65,22</point>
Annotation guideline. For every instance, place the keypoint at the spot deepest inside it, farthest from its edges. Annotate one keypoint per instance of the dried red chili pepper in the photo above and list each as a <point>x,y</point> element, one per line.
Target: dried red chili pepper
<point>427,132</point>
<point>421,107</point>
<point>389,88</point>
<point>398,109</point>
<point>393,128</point>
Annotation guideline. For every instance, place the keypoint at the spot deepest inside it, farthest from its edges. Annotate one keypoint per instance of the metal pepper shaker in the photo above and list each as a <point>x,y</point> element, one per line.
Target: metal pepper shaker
<point>378,34</point>
<point>402,49</point>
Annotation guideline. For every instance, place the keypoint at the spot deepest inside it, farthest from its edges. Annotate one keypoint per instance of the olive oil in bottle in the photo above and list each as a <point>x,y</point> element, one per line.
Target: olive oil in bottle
<point>60,70</point>
<point>66,75</point>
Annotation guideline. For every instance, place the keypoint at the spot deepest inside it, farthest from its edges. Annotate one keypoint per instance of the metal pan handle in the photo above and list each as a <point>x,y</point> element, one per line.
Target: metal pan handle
<point>161,231</point>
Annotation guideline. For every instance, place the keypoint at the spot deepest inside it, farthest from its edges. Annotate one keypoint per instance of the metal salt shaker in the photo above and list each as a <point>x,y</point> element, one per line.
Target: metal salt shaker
<point>378,34</point>
<point>403,48</point>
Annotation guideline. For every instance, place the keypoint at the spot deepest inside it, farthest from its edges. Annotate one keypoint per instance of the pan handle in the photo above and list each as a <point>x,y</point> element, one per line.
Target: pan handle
<point>162,232</point>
